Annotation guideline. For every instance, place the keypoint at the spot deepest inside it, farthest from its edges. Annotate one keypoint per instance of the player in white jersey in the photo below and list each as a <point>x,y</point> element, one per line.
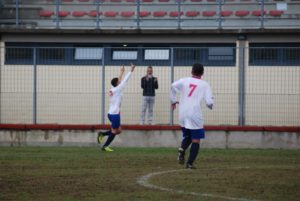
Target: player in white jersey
<point>193,90</point>
<point>115,100</point>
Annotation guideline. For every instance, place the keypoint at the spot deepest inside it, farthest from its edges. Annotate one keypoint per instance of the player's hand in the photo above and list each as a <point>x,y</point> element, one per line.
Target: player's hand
<point>122,69</point>
<point>210,106</point>
<point>173,105</point>
<point>132,67</point>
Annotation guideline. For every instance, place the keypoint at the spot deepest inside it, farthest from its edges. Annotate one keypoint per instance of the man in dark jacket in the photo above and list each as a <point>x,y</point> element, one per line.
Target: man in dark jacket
<point>148,84</point>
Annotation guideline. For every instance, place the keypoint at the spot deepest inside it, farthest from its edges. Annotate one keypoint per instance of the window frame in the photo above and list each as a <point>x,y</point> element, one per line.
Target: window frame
<point>203,56</point>
<point>11,61</point>
<point>64,60</point>
<point>125,59</point>
<point>157,49</point>
<point>220,55</point>
<point>279,60</point>
<point>200,54</point>
<point>88,48</point>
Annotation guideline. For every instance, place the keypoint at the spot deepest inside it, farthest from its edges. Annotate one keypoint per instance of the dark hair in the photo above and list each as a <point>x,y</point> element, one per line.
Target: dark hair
<point>198,69</point>
<point>150,67</point>
<point>114,81</point>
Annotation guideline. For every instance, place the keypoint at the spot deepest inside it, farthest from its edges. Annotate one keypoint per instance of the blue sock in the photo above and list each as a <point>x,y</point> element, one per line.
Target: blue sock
<point>186,143</point>
<point>106,133</point>
<point>193,153</point>
<point>110,138</point>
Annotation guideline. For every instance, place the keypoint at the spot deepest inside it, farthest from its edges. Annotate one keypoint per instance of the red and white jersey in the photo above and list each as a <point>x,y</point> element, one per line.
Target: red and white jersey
<point>192,91</point>
<point>115,94</point>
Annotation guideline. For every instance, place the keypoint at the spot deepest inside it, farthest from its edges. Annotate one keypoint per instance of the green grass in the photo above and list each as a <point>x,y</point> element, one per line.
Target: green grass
<point>64,174</point>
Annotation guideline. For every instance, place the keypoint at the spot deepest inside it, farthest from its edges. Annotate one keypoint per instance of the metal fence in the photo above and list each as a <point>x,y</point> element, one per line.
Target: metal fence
<point>149,14</point>
<point>59,85</point>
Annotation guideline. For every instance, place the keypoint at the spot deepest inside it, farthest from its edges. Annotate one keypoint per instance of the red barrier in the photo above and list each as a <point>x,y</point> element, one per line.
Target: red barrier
<point>55,127</point>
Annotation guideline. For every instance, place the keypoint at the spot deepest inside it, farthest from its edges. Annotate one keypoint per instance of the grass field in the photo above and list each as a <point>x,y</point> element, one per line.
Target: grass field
<point>89,174</point>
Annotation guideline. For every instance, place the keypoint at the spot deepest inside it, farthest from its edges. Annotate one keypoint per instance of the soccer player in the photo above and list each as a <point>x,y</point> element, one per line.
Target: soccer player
<point>193,90</point>
<point>115,100</point>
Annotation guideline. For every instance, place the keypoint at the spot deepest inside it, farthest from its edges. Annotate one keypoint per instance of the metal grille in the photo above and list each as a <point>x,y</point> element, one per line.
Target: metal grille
<point>57,85</point>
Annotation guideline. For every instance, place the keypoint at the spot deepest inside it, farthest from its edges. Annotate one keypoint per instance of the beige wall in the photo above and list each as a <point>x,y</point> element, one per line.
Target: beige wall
<point>272,95</point>
<point>69,94</point>
<point>16,94</point>
<point>72,94</point>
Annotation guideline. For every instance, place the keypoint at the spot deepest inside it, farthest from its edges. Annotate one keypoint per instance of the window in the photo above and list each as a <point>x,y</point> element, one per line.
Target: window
<point>264,54</point>
<point>220,53</point>
<point>85,53</point>
<point>18,55</point>
<point>210,55</point>
<point>124,55</point>
<point>51,55</point>
<point>292,55</point>
<point>185,54</point>
<point>156,54</point>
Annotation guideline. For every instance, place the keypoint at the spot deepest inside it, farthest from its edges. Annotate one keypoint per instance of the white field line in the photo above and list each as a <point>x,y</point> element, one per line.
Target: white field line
<point>144,181</point>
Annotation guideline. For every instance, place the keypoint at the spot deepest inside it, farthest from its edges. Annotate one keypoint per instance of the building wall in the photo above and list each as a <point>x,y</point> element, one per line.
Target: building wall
<point>265,91</point>
<point>72,94</point>
<point>68,94</point>
<point>122,38</point>
<point>214,139</point>
<point>155,37</point>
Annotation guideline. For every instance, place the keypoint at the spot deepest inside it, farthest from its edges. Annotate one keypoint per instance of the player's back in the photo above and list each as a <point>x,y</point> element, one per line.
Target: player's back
<point>192,92</point>
<point>115,94</point>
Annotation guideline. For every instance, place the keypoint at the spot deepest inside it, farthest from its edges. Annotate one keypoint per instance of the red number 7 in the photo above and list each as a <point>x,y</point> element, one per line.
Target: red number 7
<point>193,87</point>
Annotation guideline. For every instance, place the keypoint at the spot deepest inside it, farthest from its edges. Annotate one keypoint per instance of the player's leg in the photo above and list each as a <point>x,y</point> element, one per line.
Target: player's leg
<point>196,136</point>
<point>109,140</point>
<point>106,133</point>
<point>185,143</point>
<point>151,102</point>
<point>143,111</point>
<point>101,135</point>
<point>115,129</point>
<point>111,137</point>
<point>118,130</point>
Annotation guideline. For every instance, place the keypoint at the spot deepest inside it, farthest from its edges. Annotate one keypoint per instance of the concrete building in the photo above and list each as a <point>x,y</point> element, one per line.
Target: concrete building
<point>58,56</point>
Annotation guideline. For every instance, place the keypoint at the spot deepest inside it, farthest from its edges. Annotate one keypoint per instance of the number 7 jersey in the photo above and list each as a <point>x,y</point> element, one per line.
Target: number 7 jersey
<point>193,91</point>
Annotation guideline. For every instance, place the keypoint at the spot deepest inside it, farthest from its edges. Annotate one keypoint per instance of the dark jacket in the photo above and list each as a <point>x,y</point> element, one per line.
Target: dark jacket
<point>149,86</point>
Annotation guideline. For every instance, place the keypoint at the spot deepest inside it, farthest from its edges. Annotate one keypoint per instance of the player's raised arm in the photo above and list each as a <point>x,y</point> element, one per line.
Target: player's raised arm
<point>209,97</point>
<point>126,78</point>
<point>132,67</point>
<point>122,70</point>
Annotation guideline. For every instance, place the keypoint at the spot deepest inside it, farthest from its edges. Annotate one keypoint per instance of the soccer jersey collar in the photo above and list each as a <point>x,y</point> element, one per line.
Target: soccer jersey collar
<point>197,77</point>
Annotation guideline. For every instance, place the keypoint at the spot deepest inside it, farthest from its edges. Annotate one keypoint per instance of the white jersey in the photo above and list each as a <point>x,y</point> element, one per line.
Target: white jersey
<point>192,92</point>
<point>115,94</point>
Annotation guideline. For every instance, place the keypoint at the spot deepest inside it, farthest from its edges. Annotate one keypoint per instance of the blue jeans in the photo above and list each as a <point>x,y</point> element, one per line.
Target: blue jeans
<point>148,103</point>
